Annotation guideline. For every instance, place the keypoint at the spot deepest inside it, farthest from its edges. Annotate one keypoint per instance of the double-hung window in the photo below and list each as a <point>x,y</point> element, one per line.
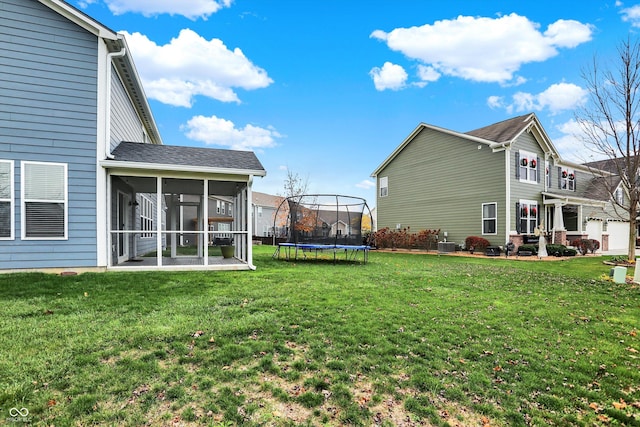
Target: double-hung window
<point>567,179</point>
<point>527,166</point>
<point>384,186</point>
<point>44,200</point>
<point>528,216</point>
<point>6,200</point>
<point>489,218</point>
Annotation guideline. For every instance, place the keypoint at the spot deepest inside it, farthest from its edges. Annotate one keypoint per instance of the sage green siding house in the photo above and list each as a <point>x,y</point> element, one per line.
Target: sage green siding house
<point>498,182</point>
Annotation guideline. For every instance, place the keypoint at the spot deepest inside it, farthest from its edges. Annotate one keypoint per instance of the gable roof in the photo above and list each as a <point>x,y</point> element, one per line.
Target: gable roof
<point>497,136</point>
<point>504,131</point>
<point>194,159</point>
<point>268,200</point>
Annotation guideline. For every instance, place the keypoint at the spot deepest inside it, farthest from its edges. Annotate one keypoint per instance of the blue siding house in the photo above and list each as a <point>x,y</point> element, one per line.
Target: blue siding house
<point>86,182</point>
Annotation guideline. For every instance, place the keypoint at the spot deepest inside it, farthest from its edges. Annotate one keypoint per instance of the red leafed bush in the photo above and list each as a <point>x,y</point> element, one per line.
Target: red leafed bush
<point>585,246</point>
<point>394,239</point>
<point>477,243</point>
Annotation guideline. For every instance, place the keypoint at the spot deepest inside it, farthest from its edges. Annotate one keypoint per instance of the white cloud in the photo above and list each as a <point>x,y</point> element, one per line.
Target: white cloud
<point>631,15</point>
<point>189,65</point>
<point>192,9</point>
<point>85,3</point>
<point>216,131</point>
<point>366,184</point>
<point>390,76</point>
<point>495,102</point>
<point>484,49</point>
<point>428,74</point>
<point>556,98</point>
<point>571,144</point>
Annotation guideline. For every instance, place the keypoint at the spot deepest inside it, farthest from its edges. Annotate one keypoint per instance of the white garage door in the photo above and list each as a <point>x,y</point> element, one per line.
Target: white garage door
<point>618,237</point>
<point>594,230</point>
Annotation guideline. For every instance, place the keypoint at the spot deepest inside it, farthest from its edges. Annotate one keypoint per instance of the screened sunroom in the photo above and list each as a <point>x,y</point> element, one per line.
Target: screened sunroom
<point>161,207</point>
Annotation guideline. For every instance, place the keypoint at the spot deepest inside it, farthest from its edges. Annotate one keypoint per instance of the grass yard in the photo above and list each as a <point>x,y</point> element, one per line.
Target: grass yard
<point>403,340</point>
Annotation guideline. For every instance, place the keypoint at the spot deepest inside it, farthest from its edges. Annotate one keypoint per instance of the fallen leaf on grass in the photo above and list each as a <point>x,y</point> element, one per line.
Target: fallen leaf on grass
<point>594,406</point>
<point>197,334</point>
<point>620,405</point>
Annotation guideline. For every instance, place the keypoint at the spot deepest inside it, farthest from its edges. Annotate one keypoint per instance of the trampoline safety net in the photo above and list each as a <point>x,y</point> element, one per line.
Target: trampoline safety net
<point>324,219</point>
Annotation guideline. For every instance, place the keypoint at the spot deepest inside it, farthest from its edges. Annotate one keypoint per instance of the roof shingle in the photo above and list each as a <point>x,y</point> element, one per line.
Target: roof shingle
<point>187,156</point>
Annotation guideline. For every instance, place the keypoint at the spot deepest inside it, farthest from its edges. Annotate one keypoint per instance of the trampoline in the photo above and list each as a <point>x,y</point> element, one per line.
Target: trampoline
<point>321,223</point>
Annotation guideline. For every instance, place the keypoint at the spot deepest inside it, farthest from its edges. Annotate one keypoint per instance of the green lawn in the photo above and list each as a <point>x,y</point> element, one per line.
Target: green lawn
<point>406,338</point>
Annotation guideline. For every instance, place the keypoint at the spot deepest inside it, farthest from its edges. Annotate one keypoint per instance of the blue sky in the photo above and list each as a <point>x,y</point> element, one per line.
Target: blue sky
<point>328,89</point>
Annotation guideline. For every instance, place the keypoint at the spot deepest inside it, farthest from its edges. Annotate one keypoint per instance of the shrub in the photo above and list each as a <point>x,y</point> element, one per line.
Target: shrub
<point>585,246</point>
<point>387,238</point>
<point>528,248</point>
<point>569,252</point>
<point>477,243</point>
<point>556,250</point>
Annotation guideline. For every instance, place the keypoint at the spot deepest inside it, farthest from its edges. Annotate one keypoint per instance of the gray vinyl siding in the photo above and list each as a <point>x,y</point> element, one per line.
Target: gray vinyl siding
<point>526,190</point>
<point>48,107</point>
<point>440,181</point>
<point>125,124</point>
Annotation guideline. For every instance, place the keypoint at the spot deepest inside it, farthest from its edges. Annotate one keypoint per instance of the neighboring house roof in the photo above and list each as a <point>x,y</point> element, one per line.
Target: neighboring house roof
<point>504,131</point>
<point>596,188</point>
<point>497,136</point>
<point>263,199</point>
<point>115,42</point>
<point>195,159</point>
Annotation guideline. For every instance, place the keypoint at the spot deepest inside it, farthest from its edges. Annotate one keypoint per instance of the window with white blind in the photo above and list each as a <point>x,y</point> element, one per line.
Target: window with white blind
<point>44,200</point>
<point>489,218</point>
<point>6,200</point>
<point>384,186</point>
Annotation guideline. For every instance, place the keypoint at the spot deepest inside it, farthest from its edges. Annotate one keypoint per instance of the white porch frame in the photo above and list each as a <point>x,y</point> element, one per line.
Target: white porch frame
<point>239,184</point>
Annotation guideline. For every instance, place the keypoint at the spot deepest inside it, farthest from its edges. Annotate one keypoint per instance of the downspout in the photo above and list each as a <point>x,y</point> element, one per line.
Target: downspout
<point>107,121</point>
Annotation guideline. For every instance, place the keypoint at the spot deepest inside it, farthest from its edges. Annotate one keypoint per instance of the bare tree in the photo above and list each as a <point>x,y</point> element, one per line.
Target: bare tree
<point>295,185</point>
<point>611,124</point>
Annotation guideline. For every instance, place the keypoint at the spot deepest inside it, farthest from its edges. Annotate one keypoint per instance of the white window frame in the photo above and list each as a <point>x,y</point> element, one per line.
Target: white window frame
<point>25,200</point>
<point>547,174</point>
<point>566,183</point>
<point>11,201</point>
<point>529,204</point>
<point>528,172</point>
<point>618,195</point>
<point>494,219</point>
<point>146,218</point>
<point>384,186</point>
<point>218,206</point>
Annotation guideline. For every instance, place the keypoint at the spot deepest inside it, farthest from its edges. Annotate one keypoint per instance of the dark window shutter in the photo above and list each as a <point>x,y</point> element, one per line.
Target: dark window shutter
<point>538,168</point>
<point>518,218</point>
<point>559,177</point>
<point>575,181</point>
<point>550,175</point>
<point>517,165</point>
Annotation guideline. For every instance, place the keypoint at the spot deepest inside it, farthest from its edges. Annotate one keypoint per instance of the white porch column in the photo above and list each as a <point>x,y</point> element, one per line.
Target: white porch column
<point>205,221</point>
<point>159,221</point>
<point>558,221</point>
<point>249,211</point>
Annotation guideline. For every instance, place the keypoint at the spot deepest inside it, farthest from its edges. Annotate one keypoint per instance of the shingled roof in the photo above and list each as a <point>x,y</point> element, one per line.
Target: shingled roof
<point>210,158</point>
<point>503,131</point>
